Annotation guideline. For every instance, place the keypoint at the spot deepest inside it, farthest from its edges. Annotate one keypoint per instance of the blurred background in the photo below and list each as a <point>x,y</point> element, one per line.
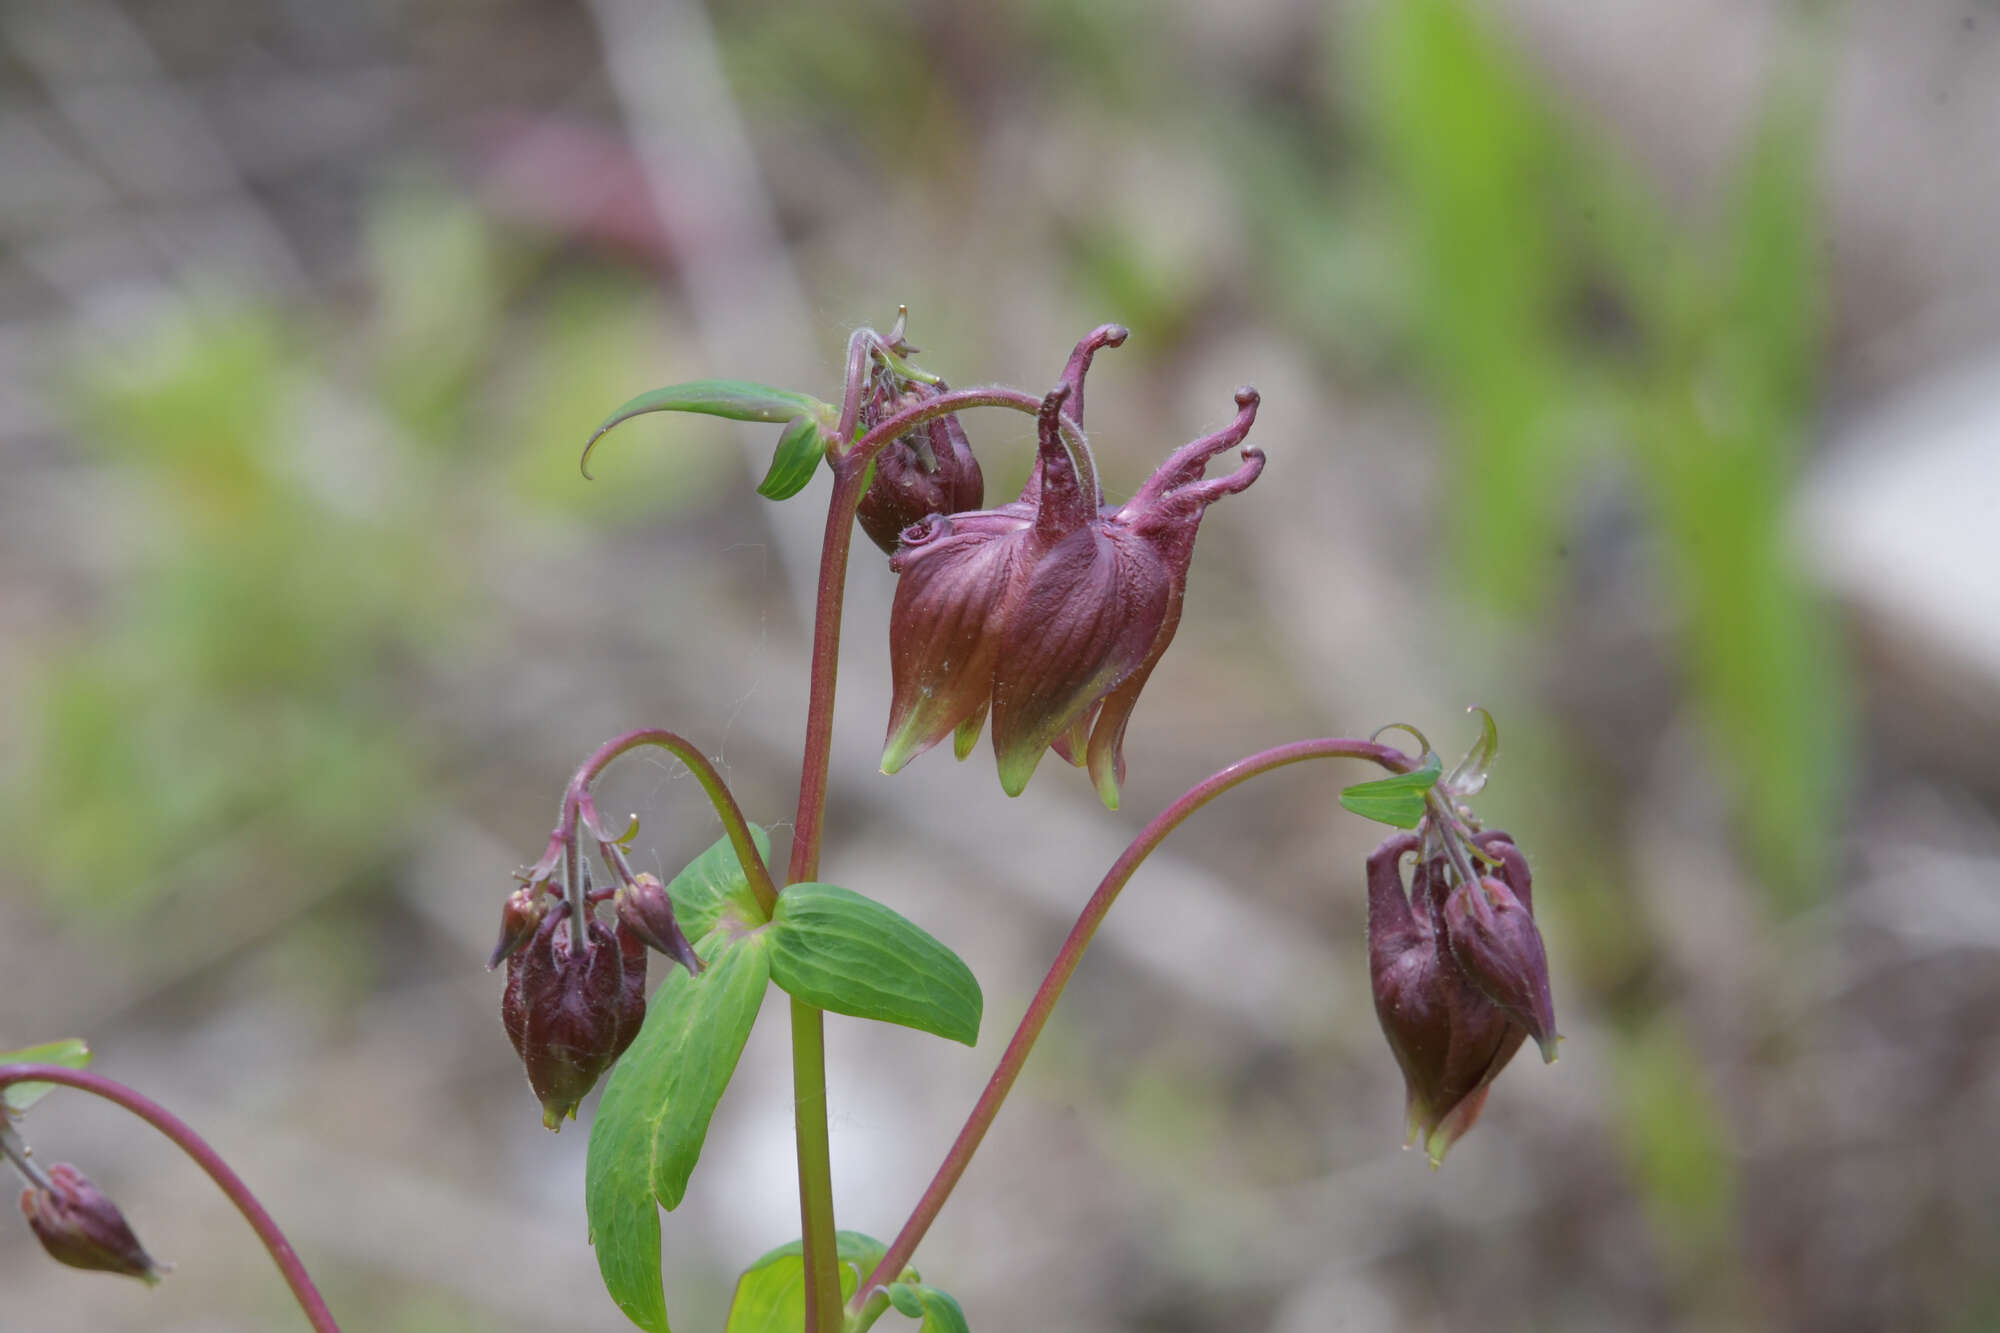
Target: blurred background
<point>1630,369</point>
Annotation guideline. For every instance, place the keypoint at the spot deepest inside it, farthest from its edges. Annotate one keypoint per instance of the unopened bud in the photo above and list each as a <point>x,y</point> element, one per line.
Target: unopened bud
<point>518,920</point>
<point>645,909</point>
<point>80,1227</point>
<point>929,471</point>
<point>1494,938</point>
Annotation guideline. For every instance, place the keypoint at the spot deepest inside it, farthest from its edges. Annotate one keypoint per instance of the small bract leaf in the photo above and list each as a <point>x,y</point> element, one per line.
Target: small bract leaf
<point>795,460</point>
<point>649,1130</point>
<point>1397,800</point>
<point>713,886</point>
<point>739,400</point>
<point>1469,778</point>
<point>940,1313</point>
<point>771,1294</point>
<point>72,1053</point>
<point>837,950</point>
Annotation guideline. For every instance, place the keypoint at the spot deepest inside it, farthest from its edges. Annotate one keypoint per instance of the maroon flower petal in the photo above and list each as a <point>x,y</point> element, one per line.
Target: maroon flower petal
<point>1494,938</point>
<point>1104,335</point>
<point>1092,608</point>
<point>1106,752</point>
<point>958,579</point>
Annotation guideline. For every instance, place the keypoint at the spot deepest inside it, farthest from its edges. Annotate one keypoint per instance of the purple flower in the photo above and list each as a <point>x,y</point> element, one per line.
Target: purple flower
<point>1051,610</point>
<point>80,1227</point>
<point>572,1010</point>
<point>1449,1033</point>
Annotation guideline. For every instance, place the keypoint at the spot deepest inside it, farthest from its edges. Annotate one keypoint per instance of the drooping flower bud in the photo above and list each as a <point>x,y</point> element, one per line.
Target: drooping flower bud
<point>929,471</point>
<point>1492,934</point>
<point>1051,610</point>
<point>80,1227</point>
<point>572,1008</point>
<point>646,911</point>
<point>1449,1039</point>
<point>518,920</point>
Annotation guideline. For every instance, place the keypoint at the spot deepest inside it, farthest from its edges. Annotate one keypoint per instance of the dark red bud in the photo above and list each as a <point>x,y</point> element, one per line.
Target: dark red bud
<point>571,1010</point>
<point>646,911</point>
<point>1494,938</point>
<point>929,471</point>
<point>80,1227</point>
<point>1448,1038</point>
<point>518,919</point>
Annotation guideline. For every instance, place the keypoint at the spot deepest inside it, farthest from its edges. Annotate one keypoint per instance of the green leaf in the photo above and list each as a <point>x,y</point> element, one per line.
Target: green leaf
<point>771,1294</point>
<point>796,459</point>
<point>72,1053</point>
<point>940,1313</point>
<point>839,951</point>
<point>650,1127</point>
<point>739,400</point>
<point>713,888</point>
<point>1397,800</point>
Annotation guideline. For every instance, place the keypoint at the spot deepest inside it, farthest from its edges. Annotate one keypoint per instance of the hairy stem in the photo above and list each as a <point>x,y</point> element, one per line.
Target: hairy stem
<point>206,1158</point>
<point>1071,954</point>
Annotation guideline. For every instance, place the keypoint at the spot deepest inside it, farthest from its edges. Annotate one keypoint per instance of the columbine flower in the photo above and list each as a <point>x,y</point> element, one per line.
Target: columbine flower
<point>1053,609</point>
<point>80,1227</point>
<point>572,1008</point>
<point>1452,1024</point>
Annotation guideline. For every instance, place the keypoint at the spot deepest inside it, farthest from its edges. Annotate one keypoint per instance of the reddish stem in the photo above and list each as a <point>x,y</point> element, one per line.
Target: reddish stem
<point>850,475</point>
<point>205,1157</point>
<point>576,802</point>
<point>810,825</point>
<point>1065,965</point>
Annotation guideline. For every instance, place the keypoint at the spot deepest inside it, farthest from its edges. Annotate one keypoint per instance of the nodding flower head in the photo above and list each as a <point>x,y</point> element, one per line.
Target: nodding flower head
<point>80,1227</point>
<point>572,1005</point>
<point>1053,609</point>
<point>1456,988</point>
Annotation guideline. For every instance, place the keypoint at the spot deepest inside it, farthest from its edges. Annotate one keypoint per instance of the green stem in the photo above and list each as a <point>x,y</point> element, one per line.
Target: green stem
<point>822,1251</point>
<point>1065,965</point>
